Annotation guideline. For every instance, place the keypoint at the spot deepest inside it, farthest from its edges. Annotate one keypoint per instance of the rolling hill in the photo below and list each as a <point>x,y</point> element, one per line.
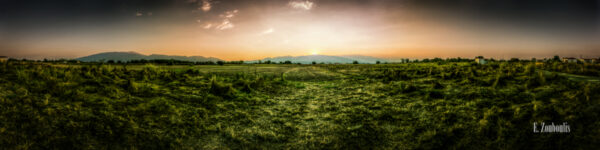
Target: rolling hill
<point>308,59</point>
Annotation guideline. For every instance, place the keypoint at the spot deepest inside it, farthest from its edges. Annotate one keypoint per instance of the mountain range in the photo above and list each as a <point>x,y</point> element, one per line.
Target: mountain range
<point>128,56</point>
<point>325,59</point>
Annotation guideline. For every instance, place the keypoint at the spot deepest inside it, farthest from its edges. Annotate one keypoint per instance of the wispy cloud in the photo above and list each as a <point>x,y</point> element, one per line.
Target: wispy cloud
<point>139,14</point>
<point>226,24</point>
<point>207,26</point>
<point>301,4</point>
<point>206,5</point>
<point>268,31</point>
<point>229,14</point>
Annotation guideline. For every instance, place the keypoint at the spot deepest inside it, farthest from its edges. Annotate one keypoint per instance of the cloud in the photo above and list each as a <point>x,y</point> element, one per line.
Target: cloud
<point>268,31</point>
<point>139,14</point>
<point>229,14</point>
<point>301,4</point>
<point>206,5</point>
<point>207,26</point>
<point>226,24</point>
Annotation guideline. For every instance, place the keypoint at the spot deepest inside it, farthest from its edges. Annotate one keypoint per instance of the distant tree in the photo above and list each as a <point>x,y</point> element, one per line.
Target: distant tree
<point>119,62</point>
<point>514,60</point>
<point>314,62</point>
<point>287,62</point>
<point>268,62</point>
<point>480,57</point>
<point>220,63</point>
<point>355,62</point>
<point>556,58</point>
<point>378,62</point>
<point>259,61</point>
<point>110,61</point>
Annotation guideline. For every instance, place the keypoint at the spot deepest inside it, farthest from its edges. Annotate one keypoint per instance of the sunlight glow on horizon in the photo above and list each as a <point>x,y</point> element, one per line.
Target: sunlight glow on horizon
<point>314,52</point>
<point>232,30</point>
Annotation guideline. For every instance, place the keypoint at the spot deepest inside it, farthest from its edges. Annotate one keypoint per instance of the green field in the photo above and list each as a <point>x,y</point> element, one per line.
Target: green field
<point>277,106</point>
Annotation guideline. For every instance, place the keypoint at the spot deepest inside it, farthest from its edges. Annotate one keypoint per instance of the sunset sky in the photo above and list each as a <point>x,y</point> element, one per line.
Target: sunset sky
<point>255,29</point>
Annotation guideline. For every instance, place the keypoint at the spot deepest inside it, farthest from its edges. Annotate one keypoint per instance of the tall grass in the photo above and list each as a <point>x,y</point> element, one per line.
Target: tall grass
<point>386,106</point>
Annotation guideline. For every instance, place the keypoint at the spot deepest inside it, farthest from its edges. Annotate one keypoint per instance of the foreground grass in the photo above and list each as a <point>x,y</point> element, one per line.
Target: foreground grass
<point>400,106</point>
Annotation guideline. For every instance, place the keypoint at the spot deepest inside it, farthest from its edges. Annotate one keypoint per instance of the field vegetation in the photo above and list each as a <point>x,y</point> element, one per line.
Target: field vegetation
<point>426,105</point>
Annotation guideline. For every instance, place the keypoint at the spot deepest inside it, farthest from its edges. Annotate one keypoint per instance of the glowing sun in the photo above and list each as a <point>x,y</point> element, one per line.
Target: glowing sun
<point>314,52</point>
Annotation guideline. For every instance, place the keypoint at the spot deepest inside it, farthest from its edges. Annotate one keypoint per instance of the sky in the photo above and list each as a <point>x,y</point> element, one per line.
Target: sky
<point>255,29</point>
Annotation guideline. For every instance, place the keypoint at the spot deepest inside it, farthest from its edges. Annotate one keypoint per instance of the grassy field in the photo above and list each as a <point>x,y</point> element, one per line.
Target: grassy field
<point>268,106</point>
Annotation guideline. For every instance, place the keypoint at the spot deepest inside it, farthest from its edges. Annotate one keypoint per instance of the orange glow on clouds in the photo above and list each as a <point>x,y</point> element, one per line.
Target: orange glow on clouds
<point>302,27</point>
